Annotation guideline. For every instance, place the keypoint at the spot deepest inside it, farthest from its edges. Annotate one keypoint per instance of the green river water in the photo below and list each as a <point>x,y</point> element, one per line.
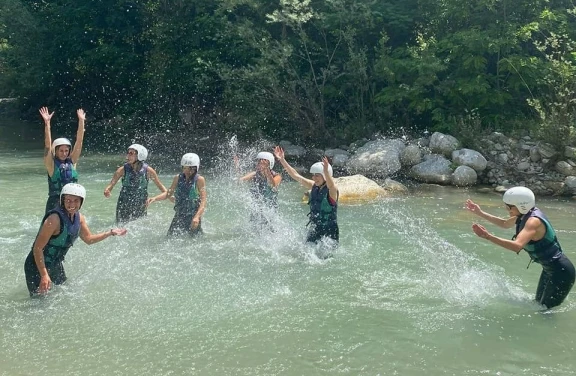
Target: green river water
<point>410,291</point>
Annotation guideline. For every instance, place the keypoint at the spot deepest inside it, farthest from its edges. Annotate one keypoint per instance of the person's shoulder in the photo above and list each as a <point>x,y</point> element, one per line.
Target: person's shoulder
<point>52,218</point>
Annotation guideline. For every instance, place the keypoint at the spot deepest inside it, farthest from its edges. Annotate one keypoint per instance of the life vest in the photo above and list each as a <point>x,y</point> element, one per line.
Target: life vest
<point>58,245</point>
<point>261,190</point>
<point>186,195</point>
<point>322,213</point>
<point>548,248</point>
<point>133,180</point>
<point>64,173</point>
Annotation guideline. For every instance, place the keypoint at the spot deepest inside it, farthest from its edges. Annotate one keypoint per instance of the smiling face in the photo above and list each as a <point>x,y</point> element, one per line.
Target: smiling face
<point>62,152</point>
<point>71,203</point>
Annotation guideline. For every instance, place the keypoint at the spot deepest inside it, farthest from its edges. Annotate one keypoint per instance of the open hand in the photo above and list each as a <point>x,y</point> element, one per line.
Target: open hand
<point>480,230</point>
<point>472,206</point>
<point>279,153</point>
<point>119,231</point>
<point>81,114</point>
<point>46,115</point>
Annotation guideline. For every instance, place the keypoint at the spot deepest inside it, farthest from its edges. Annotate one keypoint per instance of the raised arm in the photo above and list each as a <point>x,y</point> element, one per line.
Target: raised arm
<point>48,158</point>
<point>279,154</point>
<point>77,150</point>
<point>117,175</point>
<point>154,176</point>
<point>332,189</point>
<point>500,222</point>
<point>90,238</point>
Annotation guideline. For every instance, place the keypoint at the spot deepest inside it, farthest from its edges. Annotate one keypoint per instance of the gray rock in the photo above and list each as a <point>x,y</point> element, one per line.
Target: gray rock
<point>534,154</point>
<point>565,168</point>
<point>570,152</point>
<point>294,151</point>
<point>443,144</point>
<point>464,176</point>
<point>502,158</point>
<point>547,151</point>
<point>435,169</point>
<point>570,184</point>
<point>340,160</point>
<point>331,153</point>
<point>470,158</point>
<point>523,166</point>
<point>411,155</point>
<point>377,158</point>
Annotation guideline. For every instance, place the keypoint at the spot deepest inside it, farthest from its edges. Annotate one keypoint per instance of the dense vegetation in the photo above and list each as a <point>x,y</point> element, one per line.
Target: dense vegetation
<point>312,71</point>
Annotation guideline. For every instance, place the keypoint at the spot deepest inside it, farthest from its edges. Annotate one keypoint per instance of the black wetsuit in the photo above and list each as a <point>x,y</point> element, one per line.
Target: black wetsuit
<point>54,252</point>
<point>133,195</point>
<point>558,273</point>
<point>186,206</point>
<point>264,199</point>
<point>323,215</point>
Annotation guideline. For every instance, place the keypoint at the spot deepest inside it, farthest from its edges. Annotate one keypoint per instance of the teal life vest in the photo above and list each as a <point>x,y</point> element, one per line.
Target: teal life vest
<point>322,213</point>
<point>135,180</point>
<point>548,248</point>
<point>58,245</point>
<point>187,196</point>
<point>262,191</point>
<point>64,173</point>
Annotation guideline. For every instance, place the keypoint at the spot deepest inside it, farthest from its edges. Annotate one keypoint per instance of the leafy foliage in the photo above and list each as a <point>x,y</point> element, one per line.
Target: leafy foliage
<point>320,72</point>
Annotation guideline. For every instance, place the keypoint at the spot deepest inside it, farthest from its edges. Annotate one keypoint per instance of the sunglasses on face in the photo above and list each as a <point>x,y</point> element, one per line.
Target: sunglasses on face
<point>132,152</point>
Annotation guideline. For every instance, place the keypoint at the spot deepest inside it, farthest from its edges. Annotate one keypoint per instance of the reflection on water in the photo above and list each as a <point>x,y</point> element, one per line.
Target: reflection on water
<point>410,289</point>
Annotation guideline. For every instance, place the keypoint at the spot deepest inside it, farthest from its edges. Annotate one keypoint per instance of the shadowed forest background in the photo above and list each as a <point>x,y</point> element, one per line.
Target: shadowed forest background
<point>315,72</point>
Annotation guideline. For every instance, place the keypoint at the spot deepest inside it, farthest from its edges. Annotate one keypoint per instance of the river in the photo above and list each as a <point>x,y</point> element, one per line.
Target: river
<point>410,291</point>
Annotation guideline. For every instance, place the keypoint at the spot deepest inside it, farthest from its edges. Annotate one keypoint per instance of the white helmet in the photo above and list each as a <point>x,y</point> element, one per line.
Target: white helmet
<point>73,189</point>
<point>59,142</point>
<point>268,156</point>
<point>318,168</point>
<point>190,160</point>
<point>521,197</point>
<point>141,150</point>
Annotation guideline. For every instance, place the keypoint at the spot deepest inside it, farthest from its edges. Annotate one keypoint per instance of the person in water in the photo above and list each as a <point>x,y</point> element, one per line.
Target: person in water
<point>188,190</point>
<point>534,234</point>
<point>264,187</point>
<point>60,158</point>
<point>135,175</point>
<point>323,198</point>
<point>59,230</point>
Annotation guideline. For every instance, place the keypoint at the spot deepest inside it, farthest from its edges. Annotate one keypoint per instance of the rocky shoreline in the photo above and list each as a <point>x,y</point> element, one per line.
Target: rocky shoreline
<point>500,162</point>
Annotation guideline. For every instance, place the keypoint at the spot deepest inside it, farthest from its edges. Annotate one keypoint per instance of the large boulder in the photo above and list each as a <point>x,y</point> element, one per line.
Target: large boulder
<point>470,158</point>
<point>435,169</point>
<point>464,176</point>
<point>444,144</point>
<point>339,157</point>
<point>411,155</point>
<point>358,188</point>
<point>377,158</point>
<point>565,168</point>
